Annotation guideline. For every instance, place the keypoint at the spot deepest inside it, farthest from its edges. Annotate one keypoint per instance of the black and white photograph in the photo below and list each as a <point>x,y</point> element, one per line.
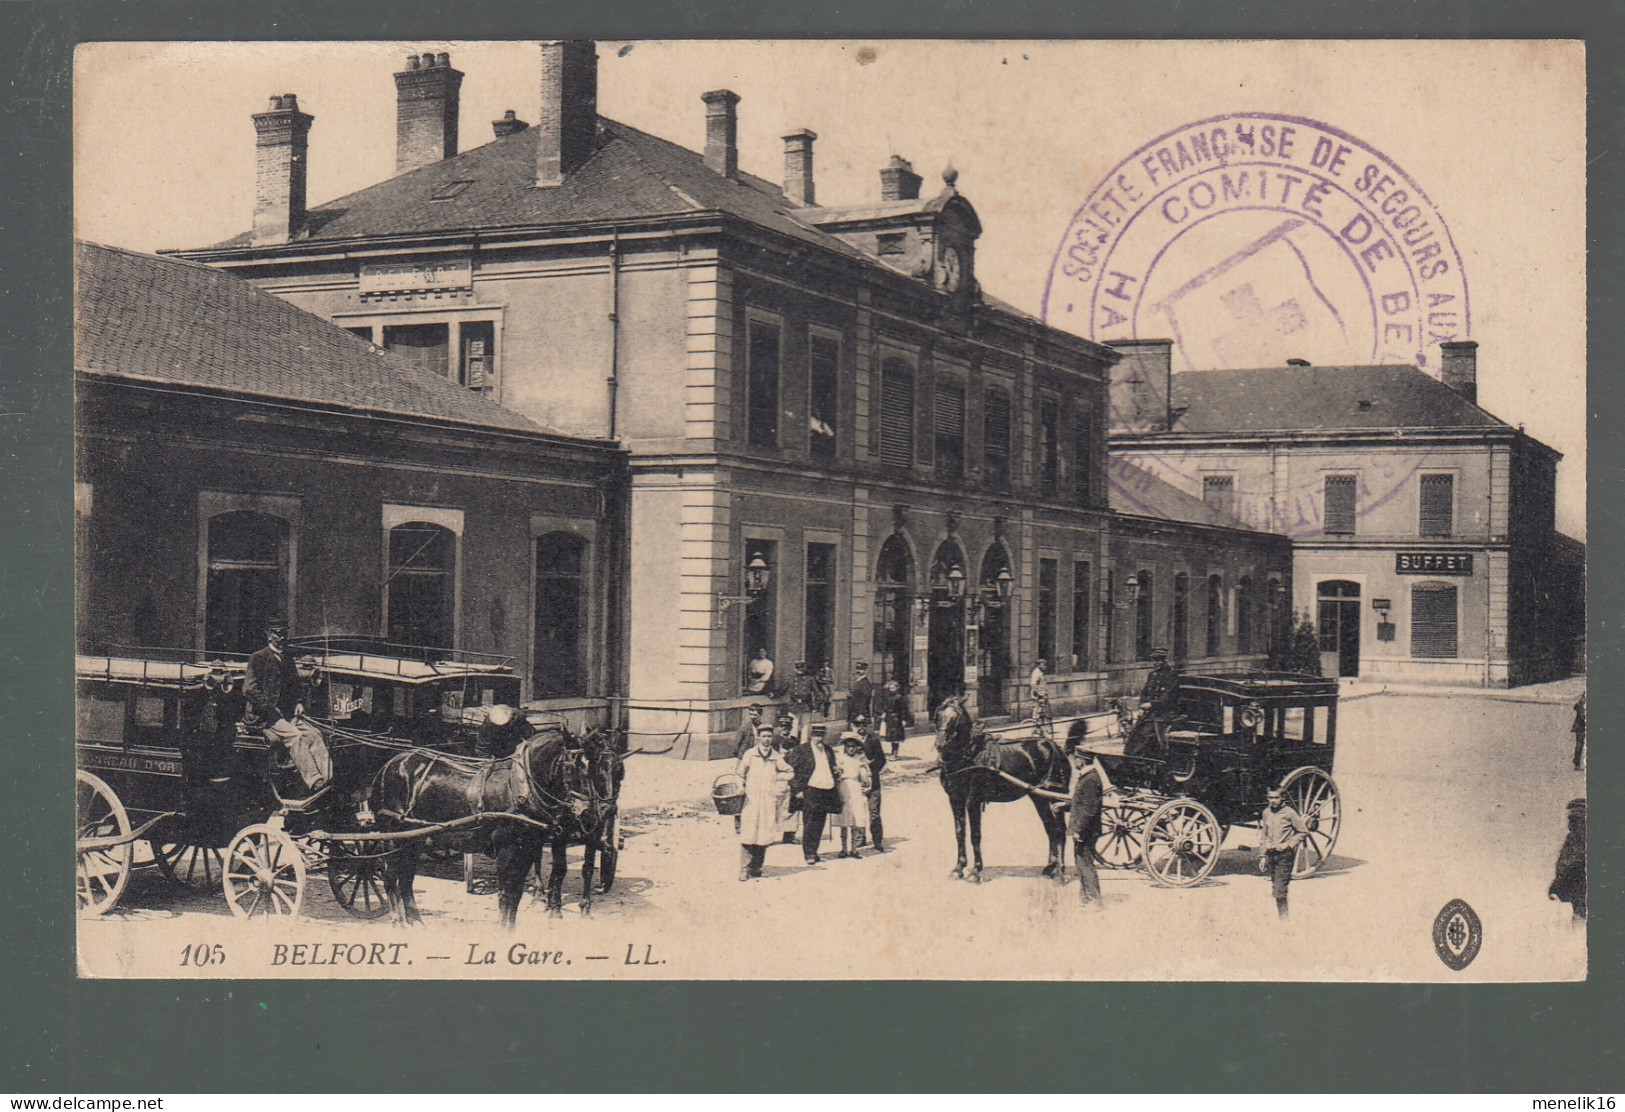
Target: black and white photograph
<point>831,510</point>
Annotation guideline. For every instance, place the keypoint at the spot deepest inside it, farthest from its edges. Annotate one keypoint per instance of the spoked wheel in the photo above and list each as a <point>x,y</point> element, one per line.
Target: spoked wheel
<point>101,871</point>
<point>355,873</point>
<point>1312,794</point>
<point>265,874</point>
<point>192,867</point>
<point>1182,840</point>
<point>1122,834</point>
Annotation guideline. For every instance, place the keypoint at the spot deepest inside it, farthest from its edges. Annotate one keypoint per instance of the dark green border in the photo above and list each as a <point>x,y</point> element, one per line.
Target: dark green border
<point>62,1036</point>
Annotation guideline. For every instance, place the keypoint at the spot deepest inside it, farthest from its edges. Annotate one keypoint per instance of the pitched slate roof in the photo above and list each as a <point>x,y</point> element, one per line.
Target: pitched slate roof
<point>631,176</point>
<point>142,317</point>
<point>1134,490</point>
<point>1309,399</point>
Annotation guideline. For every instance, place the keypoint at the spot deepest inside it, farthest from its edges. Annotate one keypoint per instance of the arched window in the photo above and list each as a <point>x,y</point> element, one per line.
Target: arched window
<point>894,574</point>
<point>247,579</point>
<point>420,593</point>
<point>1215,615</point>
<point>557,665</point>
<point>1144,609</point>
<point>897,413</point>
<point>1244,615</point>
<point>1433,621</point>
<point>1182,585</point>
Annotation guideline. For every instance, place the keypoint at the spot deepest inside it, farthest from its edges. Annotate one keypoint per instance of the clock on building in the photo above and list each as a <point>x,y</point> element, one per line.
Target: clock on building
<point>950,269</point>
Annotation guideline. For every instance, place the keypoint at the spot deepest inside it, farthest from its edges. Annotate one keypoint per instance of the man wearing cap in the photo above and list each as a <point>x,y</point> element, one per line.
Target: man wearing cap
<point>1083,824</point>
<point>1281,830</point>
<point>276,706</point>
<point>501,732</point>
<point>800,691</point>
<point>785,740</point>
<point>860,700</point>
<point>746,738</point>
<point>1161,685</point>
<point>875,753</point>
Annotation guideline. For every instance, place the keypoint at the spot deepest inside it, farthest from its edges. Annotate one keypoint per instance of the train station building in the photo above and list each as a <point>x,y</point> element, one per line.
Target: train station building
<point>1423,527</point>
<point>238,458</point>
<point>838,447</point>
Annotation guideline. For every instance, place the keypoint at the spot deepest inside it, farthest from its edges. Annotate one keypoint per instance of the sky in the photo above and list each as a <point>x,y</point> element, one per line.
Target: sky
<point>1492,132</point>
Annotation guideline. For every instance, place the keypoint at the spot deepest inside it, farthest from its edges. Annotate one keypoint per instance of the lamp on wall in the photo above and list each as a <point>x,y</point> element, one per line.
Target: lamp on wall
<point>1128,595</point>
<point>757,576</point>
<point>956,583</point>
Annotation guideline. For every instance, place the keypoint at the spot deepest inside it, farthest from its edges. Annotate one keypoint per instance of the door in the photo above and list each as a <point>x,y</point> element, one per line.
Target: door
<point>1340,624</point>
<point>945,666</point>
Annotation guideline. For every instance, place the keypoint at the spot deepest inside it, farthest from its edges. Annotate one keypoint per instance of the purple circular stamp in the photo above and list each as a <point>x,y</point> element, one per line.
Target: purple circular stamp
<point>1251,238</point>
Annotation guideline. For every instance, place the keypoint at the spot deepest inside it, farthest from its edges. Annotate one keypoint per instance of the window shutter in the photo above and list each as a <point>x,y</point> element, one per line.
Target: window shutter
<point>897,414</point>
<point>950,408</point>
<point>1433,621</point>
<point>1340,504</point>
<point>1438,505</point>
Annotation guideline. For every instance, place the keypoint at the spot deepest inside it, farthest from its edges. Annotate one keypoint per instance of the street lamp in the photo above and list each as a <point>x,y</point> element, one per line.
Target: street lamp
<point>1005,584</point>
<point>956,583</point>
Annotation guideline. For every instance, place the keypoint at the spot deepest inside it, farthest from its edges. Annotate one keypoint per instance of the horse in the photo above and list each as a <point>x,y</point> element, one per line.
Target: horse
<point>593,827</point>
<point>545,792</point>
<point>972,780</point>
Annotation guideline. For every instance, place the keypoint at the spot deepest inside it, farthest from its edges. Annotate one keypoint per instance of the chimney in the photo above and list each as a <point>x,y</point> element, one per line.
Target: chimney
<point>722,132</point>
<point>1458,368</point>
<point>899,182</point>
<point>509,124</point>
<point>1142,386</point>
<point>426,104</point>
<point>568,123</point>
<point>798,167</point>
<point>281,138</point>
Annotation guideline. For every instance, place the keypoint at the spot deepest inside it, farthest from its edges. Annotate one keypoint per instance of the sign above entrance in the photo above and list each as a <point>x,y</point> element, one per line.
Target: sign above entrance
<point>454,273</point>
<point>1433,563</point>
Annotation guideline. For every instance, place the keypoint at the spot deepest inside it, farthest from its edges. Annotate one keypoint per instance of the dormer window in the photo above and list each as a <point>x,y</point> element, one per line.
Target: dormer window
<point>891,243</point>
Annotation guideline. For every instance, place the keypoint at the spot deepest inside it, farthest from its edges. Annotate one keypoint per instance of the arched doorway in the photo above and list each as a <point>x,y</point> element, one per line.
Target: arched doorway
<point>894,580</point>
<point>993,664</point>
<point>945,660</point>
<point>1340,624</point>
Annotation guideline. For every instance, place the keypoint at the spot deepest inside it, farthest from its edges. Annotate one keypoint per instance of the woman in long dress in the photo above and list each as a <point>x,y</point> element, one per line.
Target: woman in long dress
<point>765,773</point>
<point>853,780</point>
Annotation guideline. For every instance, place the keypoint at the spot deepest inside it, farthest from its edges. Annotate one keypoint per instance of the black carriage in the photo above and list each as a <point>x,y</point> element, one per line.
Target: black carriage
<point>164,761</point>
<point>1184,772</point>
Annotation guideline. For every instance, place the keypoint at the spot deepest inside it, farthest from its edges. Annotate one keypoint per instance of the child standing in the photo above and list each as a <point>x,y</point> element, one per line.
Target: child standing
<point>854,780</point>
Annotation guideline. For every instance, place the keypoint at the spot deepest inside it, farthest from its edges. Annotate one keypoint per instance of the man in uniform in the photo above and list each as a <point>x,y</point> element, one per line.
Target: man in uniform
<point>875,753</point>
<point>1083,824</point>
<point>1161,686</point>
<point>746,739</point>
<point>276,706</point>
<point>800,691</point>
<point>860,701</point>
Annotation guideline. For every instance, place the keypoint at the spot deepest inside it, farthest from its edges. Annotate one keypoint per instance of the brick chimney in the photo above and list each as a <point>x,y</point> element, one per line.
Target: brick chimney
<point>509,124</point>
<point>798,167</point>
<point>281,139</point>
<point>1458,368</point>
<point>1140,386</point>
<point>568,123</point>
<point>722,132</point>
<point>427,95</point>
<point>899,182</point>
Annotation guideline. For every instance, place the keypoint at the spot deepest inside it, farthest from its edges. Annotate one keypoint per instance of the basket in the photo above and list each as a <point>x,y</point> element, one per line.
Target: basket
<point>728,793</point>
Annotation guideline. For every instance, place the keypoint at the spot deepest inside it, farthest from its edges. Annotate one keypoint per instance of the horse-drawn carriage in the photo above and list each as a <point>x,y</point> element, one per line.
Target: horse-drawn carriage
<point>164,760</point>
<point>1184,773</point>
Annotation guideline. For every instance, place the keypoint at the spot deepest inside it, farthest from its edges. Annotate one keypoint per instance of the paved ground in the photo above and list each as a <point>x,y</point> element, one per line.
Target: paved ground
<point>1459,797</point>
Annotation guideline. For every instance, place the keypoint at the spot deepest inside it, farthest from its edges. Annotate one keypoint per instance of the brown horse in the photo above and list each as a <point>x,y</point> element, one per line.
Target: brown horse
<point>971,764</point>
<point>554,789</point>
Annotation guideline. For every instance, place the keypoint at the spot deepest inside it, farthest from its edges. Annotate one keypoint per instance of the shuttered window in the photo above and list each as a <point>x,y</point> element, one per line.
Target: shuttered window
<point>1049,448</point>
<point>1433,621</point>
<point>950,427</point>
<point>1219,492</point>
<point>1083,464</point>
<point>896,413</point>
<point>1438,505</point>
<point>996,437</point>
<point>1340,505</point>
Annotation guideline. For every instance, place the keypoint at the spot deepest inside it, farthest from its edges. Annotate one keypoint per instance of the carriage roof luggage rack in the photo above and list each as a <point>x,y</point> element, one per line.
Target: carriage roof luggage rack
<point>373,656</point>
<point>168,669</point>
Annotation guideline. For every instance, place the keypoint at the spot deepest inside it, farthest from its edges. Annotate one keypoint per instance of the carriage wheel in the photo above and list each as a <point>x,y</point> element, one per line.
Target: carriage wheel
<point>192,867</point>
<point>356,876</point>
<point>1182,840</point>
<point>1312,794</point>
<point>265,874</point>
<point>1122,833</point>
<point>100,874</point>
